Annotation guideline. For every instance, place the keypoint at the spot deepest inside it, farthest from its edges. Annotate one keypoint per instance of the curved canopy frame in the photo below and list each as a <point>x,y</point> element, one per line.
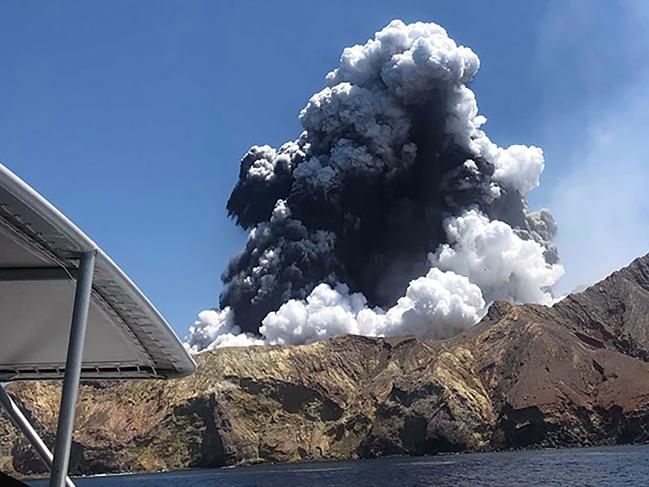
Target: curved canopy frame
<point>67,311</point>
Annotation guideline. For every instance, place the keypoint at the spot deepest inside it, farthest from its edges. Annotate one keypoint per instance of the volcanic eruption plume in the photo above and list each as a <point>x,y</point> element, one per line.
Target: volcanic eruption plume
<point>392,213</point>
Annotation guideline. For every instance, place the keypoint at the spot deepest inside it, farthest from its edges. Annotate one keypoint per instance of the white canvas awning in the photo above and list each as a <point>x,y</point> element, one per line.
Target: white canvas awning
<point>40,251</point>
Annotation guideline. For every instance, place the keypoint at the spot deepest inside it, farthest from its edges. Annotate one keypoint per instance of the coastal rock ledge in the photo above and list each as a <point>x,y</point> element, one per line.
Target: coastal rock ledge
<point>525,376</point>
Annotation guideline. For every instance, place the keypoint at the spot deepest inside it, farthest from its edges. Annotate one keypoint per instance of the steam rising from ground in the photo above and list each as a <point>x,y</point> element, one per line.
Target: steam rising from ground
<point>392,213</point>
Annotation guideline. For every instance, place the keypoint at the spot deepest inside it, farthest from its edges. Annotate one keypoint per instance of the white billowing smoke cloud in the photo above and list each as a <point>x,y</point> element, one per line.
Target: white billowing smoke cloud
<point>499,262</point>
<point>362,124</point>
<point>437,305</point>
<point>483,260</point>
<point>518,166</point>
<point>215,329</point>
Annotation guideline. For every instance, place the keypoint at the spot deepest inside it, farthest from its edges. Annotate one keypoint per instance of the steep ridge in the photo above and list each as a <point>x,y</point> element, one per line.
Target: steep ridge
<point>614,311</point>
<point>525,376</point>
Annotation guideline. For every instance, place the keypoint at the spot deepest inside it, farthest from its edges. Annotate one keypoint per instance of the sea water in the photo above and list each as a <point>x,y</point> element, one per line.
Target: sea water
<point>610,466</point>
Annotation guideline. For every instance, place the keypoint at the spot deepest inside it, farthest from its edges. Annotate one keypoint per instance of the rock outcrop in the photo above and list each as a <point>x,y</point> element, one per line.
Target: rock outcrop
<point>525,376</point>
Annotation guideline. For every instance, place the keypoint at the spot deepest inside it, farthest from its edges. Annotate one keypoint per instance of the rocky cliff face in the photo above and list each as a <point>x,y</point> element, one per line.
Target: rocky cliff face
<point>526,376</point>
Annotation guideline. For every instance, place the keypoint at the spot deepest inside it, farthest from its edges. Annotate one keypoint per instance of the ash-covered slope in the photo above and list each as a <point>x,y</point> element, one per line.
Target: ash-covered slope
<point>525,376</point>
<point>615,311</point>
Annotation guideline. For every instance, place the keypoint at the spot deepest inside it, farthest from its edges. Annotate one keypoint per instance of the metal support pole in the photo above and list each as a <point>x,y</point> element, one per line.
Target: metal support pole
<point>18,418</point>
<point>72,370</point>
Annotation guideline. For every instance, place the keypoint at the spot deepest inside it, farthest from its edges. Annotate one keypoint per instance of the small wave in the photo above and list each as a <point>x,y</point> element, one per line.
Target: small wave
<point>327,469</point>
<point>445,462</point>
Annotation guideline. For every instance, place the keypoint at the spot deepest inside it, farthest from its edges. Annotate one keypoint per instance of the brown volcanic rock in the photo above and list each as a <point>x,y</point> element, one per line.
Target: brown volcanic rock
<point>342,398</point>
<point>525,376</point>
<point>553,386</point>
<point>614,311</point>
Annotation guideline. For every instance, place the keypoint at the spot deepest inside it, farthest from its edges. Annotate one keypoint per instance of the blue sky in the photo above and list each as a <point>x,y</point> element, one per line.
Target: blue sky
<point>131,116</point>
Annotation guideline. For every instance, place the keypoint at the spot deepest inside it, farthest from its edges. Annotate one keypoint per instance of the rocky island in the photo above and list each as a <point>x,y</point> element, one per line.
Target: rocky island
<point>526,376</point>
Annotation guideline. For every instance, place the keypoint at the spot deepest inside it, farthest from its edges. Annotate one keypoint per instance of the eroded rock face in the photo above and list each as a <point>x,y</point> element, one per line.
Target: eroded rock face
<point>526,376</point>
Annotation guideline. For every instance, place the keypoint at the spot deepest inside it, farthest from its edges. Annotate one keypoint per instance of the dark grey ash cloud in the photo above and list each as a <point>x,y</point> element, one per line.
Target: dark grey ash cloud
<point>391,162</point>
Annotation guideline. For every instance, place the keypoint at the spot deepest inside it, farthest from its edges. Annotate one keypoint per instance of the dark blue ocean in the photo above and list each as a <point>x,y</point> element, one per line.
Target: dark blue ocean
<point>611,466</point>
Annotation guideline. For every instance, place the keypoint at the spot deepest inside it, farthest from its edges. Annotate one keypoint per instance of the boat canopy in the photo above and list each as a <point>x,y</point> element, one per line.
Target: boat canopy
<point>67,311</point>
<point>40,251</point>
